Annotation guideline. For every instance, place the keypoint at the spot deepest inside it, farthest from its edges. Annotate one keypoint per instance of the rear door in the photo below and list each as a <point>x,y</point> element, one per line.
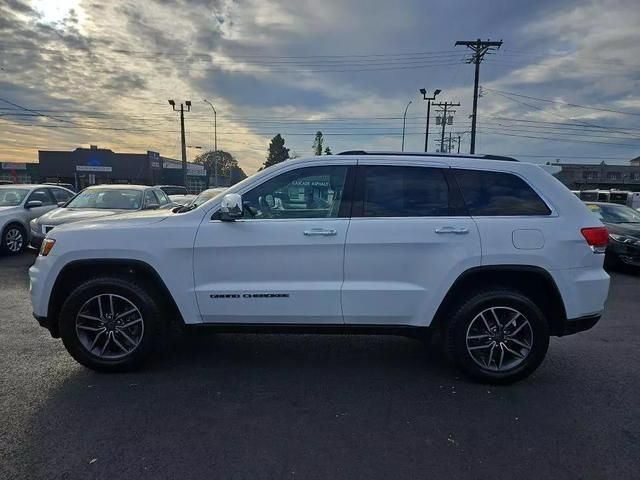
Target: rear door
<point>408,240</point>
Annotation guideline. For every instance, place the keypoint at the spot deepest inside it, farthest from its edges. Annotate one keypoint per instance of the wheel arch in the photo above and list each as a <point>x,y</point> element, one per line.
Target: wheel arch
<point>533,281</point>
<point>76,271</point>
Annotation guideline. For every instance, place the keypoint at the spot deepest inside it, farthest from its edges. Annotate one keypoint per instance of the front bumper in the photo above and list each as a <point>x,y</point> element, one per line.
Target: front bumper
<point>46,322</point>
<point>36,242</point>
<point>626,254</point>
<point>575,325</point>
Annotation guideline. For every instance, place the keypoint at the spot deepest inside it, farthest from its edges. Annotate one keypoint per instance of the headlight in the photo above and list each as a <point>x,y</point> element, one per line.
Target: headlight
<point>47,245</point>
<point>626,239</point>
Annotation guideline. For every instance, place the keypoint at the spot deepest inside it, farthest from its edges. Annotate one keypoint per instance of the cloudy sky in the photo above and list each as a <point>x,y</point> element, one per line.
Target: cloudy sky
<point>76,72</point>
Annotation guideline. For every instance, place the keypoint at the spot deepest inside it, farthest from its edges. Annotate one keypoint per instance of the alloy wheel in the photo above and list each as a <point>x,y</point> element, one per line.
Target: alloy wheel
<point>499,338</point>
<point>14,240</point>
<point>109,326</point>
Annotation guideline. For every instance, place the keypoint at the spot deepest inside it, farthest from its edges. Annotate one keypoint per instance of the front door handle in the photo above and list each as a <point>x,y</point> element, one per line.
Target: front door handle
<point>323,232</point>
<point>454,230</point>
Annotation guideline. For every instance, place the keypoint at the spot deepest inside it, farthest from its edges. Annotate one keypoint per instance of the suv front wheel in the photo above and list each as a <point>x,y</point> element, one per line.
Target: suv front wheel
<point>497,336</point>
<point>110,323</point>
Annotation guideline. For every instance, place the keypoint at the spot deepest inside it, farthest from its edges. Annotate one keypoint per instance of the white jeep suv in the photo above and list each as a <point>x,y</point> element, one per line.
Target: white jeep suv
<point>495,254</point>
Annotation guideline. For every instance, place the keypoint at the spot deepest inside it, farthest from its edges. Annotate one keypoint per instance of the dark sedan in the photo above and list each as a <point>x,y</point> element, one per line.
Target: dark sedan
<point>623,224</point>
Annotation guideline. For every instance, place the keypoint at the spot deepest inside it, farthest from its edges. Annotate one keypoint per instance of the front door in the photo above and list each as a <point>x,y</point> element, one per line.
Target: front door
<point>408,241</point>
<point>48,203</point>
<point>283,261</point>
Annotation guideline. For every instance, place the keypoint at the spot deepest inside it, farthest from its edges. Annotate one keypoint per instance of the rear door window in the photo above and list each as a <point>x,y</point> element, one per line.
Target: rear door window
<point>389,191</point>
<point>498,194</point>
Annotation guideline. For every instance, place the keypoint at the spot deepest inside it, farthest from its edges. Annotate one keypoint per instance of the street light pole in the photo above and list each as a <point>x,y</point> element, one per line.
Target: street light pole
<point>215,141</point>
<point>428,99</point>
<point>182,137</point>
<point>404,121</point>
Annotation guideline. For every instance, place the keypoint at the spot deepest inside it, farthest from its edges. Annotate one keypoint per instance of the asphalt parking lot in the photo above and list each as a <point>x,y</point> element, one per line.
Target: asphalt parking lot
<point>264,406</point>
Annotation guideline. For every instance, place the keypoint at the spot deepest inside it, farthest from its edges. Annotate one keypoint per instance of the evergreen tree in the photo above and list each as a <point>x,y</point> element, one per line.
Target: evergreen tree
<point>317,143</point>
<point>277,152</point>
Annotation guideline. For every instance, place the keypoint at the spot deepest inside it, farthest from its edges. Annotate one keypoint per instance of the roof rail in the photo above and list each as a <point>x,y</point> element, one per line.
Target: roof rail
<point>427,154</point>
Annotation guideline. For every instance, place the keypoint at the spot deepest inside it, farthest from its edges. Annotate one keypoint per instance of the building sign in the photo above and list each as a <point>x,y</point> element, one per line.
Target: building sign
<point>14,166</point>
<point>192,169</point>
<point>92,168</point>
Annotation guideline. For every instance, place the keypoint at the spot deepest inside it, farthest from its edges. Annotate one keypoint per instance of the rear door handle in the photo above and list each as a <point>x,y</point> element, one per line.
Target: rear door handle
<point>323,232</point>
<point>454,230</point>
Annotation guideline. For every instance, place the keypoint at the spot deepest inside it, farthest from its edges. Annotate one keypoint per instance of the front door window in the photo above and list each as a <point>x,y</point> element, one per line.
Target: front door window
<point>313,192</point>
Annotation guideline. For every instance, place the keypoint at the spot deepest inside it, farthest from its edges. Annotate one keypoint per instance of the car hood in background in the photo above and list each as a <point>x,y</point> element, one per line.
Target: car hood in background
<point>137,218</point>
<point>631,229</point>
<point>61,216</point>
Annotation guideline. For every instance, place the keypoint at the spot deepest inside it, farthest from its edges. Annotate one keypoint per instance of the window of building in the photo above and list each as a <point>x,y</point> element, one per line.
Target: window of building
<point>590,175</point>
<point>498,194</point>
<point>404,191</point>
<point>313,192</point>
<point>613,176</point>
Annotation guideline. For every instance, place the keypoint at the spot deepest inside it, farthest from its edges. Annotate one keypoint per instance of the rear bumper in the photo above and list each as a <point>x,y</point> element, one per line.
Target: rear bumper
<point>580,324</point>
<point>45,322</point>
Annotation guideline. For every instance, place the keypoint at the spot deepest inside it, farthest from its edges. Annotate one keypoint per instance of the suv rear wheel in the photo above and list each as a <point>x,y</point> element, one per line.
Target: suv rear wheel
<point>497,336</point>
<point>110,323</point>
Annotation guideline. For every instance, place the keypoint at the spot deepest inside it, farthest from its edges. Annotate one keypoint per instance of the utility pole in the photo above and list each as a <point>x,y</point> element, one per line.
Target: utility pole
<point>404,121</point>
<point>182,137</point>
<point>444,118</point>
<point>458,143</point>
<point>479,49</point>
<point>215,142</point>
<point>449,151</point>
<point>428,99</point>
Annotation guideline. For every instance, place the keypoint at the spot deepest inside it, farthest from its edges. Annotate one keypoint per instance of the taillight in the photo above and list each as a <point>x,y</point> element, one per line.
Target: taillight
<point>596,237</point>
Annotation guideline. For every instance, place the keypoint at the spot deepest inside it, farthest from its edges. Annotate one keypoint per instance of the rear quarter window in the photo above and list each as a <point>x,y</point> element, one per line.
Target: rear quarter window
<point>498,194</point>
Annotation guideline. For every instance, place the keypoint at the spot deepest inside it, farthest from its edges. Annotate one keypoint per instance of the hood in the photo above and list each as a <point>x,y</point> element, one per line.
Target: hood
<point>133,219</point>
<point>60,216</point>
<point>631,229</point>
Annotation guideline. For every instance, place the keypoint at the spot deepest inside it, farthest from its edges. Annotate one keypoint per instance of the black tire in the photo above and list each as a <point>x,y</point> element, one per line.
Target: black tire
<point>7,235</point>
<point>455,335</point>
<point>141,296</point>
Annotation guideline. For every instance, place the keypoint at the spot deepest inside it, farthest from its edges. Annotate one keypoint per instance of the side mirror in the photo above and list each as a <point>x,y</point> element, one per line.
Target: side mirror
<point>62,204</point>
<point>152,206</point>
<point>231,208</point>
<point>33,204</point>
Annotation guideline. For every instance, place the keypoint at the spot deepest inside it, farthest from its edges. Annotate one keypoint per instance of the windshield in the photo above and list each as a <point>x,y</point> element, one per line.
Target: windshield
<point>115,199</point>
<point>11,197</point>
<point>615,213</point>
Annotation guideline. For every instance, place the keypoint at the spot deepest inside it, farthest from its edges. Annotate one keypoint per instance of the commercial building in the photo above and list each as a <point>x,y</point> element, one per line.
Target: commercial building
<point>591,176</point>
<point>18,172</point>
<point>90,166</point>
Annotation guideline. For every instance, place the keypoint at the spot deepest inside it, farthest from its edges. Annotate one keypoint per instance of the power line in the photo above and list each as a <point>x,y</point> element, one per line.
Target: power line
<point>559,102</point>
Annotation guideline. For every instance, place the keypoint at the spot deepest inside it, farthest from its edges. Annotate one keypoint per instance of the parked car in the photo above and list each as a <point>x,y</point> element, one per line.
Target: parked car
<point>178,194</point>
<point>6,182</point>
<point>497,255</point>
<point>96,202</point>
<point>204,196</point>
<point>624,231</point>
<point>19,204</point>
